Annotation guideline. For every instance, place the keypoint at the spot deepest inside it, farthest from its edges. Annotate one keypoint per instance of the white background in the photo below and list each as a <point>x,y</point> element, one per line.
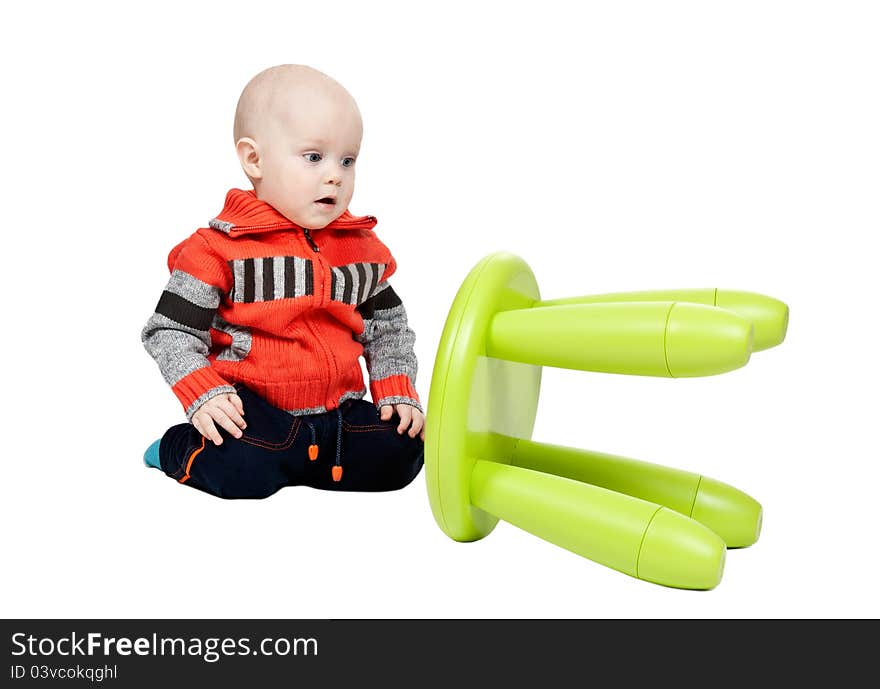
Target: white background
<point>615,146</point>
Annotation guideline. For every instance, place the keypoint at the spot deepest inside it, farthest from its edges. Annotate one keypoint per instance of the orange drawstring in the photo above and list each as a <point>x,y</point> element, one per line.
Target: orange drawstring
<point>337,469</point>
<point>313,448</point>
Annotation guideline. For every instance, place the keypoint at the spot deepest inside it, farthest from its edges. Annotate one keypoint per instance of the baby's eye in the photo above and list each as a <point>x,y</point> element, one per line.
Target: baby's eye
<point>347,162</point>
<point>312,157</point>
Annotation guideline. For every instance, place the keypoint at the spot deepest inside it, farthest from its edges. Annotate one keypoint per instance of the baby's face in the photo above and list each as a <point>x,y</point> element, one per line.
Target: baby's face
<point>308,154</point>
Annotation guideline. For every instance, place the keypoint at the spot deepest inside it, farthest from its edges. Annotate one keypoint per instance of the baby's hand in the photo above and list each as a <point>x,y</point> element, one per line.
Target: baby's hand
<point>226,410</point>
<point>407,414</point>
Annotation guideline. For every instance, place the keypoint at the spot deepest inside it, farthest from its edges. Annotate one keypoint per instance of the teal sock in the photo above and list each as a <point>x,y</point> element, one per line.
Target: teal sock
<point>151,456</point>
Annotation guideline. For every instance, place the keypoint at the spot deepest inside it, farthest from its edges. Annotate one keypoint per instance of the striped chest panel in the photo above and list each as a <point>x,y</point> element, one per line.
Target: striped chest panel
<point>353,283</point>
<point>272,277</point>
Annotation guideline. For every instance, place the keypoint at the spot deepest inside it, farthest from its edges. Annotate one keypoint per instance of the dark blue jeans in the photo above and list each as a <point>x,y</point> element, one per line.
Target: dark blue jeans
<point>275,452</point>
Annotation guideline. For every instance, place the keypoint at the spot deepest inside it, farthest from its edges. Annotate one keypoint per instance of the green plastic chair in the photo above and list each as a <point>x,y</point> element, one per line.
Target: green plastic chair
<point>655,523</point>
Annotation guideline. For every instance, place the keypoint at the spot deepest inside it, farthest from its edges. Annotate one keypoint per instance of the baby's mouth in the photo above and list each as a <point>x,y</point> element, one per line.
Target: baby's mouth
<point>327,200</point>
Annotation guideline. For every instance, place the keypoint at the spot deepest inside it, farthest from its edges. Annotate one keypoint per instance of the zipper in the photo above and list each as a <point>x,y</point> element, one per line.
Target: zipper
<point>327,352</point>
<point>310,240</point>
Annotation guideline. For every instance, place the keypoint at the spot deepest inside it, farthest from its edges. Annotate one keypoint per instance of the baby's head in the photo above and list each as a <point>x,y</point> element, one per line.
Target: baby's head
<point>297,135</point>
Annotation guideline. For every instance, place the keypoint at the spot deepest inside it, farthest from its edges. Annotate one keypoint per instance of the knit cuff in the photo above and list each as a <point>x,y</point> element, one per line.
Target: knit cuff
<point>395,390</point>
<point>196,388</point>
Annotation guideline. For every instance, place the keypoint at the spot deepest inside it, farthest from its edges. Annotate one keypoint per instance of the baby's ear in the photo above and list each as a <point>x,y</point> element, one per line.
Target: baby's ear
<point>249,157</point>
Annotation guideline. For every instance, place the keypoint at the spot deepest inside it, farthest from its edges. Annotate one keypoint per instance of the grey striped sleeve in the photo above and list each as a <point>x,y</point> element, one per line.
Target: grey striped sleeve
<point>177,335</point>
<point>387,339</point>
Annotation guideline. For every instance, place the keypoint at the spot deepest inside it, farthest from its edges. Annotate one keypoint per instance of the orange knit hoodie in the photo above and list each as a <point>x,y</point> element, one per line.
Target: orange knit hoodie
<point>255,299</point>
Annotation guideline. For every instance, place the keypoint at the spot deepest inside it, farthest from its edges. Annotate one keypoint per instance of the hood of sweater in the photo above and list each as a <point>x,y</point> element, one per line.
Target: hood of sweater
<point>244,213</point>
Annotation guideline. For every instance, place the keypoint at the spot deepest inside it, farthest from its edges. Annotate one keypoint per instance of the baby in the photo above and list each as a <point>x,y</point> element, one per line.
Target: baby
<point>260,328</point>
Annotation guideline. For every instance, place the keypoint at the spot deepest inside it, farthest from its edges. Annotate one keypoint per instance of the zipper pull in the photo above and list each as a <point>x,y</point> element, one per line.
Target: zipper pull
<point>310,240</point>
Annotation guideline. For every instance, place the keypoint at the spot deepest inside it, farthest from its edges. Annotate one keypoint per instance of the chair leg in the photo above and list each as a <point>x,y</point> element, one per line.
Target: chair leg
<point>666,339</point>
<point>639,538</point>
<point>733,515</point>
<point>769,315</point>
